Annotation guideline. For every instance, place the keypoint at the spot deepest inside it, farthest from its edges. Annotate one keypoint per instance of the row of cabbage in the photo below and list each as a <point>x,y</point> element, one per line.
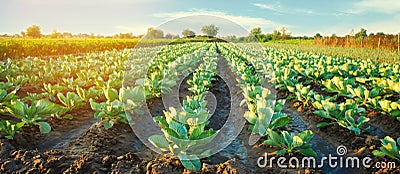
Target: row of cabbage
<point>58,87</point>
<point>184,128</point>
<point>264,112</point>
<point>298,74</point>
<point>348,87</point>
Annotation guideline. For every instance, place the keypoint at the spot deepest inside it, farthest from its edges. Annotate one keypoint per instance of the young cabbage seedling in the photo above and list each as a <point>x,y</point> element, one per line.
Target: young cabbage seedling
<point>5,99</point>
<point>70,101</point>
<point>113,109</point>
<point>182,134</point>
<point>389,148</point>
<point>17,81</point>
<point>35,114</point>
<point>343,115</point>
<point>291,143</point>
<point>10,127</point>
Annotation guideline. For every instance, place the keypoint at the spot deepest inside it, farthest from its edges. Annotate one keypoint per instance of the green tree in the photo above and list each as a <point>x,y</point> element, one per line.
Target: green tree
<point>55,34</point>
<point>276,34</point>
<point>67,35</point>
<point>210,30</point>
<point>319,36</point>
<point>231,38</point>
<point>169,36</point>
<point>126,35</point>
<point>187,33</point>
<point>361,33</point>
<point>153,33</point>
<point>285,33</point>
<point>255,31</point>
<point>380,34</point>
<point>33,31</point>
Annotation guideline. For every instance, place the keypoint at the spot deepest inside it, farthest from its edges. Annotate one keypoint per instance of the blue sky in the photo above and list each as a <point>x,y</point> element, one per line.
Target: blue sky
<point>301,17</point>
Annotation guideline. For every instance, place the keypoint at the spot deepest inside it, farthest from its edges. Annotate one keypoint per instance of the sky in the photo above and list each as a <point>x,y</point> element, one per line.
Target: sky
<point>233,17</point>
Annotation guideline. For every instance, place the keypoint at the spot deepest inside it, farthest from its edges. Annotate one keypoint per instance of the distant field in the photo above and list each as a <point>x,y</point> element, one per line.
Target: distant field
<point>387,56</point>
<point>23,47</point>
<point>293,42</point>
<point>18,48</point>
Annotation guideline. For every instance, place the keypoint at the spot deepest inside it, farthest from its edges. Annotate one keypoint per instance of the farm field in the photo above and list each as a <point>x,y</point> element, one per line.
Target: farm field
<point>377,55</point>
<point>79,113</point>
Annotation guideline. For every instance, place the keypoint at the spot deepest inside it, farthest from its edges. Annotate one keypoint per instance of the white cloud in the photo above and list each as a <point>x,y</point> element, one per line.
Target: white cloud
<point>305,11</point>
<point>246,21</point>
<point>386,6</point>
<point>269,7</point>
<point>278,8</point>
<point>390,25</point>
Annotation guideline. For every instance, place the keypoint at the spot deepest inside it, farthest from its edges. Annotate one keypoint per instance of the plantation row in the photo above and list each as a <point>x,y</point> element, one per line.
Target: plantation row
<point>57,87</point>
<point>184,128</point>
<point>264,113</point>
<point>362,84</point>
<point>20,48</point>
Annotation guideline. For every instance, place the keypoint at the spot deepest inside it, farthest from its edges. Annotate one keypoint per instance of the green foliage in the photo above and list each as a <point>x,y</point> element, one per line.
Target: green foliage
<point>153,33</point>
<point>18,48</point>
<point>36,113</point>
<point>187,32</point>
<point>291,143</point>
<point>87,94</point>
<point>33,31</point>
<point>113,110</point>
<point>18,80</point>
<point>35,96</point>
<point>389,107</point>
<point>10,127</point>
<point>6,98</point>
<point>158,83</point>
<point>70,101</point>
<point>303,94</point>
<point>53,90</point>
<point>184,130</point>
<point>344,115</point>
<point>387,56</point>
<point>389,148</point>
<point>264,113</point>
<point>201,81</point>
<point>210,30</point>
<point>6,86</point>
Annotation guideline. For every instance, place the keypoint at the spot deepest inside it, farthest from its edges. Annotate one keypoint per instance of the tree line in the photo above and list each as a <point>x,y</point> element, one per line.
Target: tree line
<point>361,39</point>
<point>34,31</point>
<point>257,35</point>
